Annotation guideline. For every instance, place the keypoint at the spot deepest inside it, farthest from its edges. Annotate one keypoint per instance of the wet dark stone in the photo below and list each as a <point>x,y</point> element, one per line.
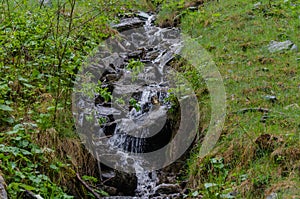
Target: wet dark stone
<point>139,54</point>
<point>108,174</point>
<point>142,15</point>
<point>112,191</point>
<point>109,129</point>
<point>3,193</point>
<point>128,23</point>
<point>124,183</point>
<point>167,189</point>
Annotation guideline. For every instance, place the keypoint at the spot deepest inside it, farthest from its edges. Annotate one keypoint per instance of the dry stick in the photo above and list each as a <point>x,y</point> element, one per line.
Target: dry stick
<point>259,109</point>
<point>87,187</point>
<point>64,48</point>
<point>245,110</point>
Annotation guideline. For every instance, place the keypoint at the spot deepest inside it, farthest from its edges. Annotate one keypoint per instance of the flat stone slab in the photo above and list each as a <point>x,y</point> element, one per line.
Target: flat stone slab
<point>128,23</point>
<point>276,46</point>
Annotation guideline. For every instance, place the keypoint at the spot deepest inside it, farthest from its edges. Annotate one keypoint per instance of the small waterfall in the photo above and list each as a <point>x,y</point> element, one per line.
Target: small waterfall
<point>146,181</point>
<point>140,124</point>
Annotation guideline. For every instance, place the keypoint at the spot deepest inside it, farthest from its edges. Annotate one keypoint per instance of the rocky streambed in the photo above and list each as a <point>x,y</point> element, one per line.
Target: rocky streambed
<point>136,110</point>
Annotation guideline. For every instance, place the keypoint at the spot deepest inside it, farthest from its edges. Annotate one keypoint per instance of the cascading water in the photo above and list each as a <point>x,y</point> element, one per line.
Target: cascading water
<point>136,120</point>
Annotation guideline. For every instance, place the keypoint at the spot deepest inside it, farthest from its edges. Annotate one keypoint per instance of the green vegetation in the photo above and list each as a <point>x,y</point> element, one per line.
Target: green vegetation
<point>136,67</point>
<point>42,48</point>
<point>259,148</point>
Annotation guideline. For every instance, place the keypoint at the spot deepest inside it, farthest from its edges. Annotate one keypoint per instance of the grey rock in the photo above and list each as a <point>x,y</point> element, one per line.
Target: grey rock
<point>109,174</point>
<point>143,15</point>
<point>276,46</point>
<point>167,189</point>
<point>128,23</point>
<point>124,183</point>
<point>3,194</point>
<point>272,196</point>
<point>294,48</point>
<point>110,190</point>
<point>257,5</point>
<point>193,8</point>
<point>271,98</point>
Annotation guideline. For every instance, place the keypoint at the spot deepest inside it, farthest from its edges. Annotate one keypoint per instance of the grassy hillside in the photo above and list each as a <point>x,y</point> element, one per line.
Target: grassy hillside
<point>258,152</point>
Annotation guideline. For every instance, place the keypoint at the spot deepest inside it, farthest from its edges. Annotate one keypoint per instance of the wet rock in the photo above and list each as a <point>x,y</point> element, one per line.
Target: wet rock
<point>167,189</point>
<point>272,196</point>
<point>129,23</point>
<point>3,194</point>
<point>143,15</point>
<point>229,195</point>
<point>112,191</point>
<point>108,174</point>
<point>271,98</point>
<point>138,39</point>
<point>139,54</point>
<point>193,8</point>
<point>276,46</point>
<point>112,61</point>
<point>170,196</point>
<point>257,5</point>
<point>30,195</point>
<point>124,183</point>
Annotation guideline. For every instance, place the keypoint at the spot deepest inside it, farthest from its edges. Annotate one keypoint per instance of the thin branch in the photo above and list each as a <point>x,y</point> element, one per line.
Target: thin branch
<point>245,110</point>
<point>87,187</point>
<point>259,109</point>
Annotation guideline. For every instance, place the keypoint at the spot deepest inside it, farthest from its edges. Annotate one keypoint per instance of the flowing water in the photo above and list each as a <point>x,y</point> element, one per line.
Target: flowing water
<point>138,123</point>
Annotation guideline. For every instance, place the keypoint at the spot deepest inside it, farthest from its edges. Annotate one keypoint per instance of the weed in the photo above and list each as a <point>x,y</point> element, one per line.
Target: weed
<point>136,67</point>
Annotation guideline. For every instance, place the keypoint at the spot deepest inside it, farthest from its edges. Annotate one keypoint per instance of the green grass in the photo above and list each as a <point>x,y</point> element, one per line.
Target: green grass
<point>236,34</point>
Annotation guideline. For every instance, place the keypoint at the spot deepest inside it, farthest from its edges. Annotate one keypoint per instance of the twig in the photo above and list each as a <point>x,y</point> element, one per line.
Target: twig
<point>245,110</point>
<point>87,187</point>
<point>262,110</point>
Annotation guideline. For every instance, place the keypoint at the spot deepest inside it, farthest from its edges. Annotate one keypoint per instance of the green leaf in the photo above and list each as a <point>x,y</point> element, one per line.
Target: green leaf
<point>22,79</point>
<point>28,85</point>
<point>195,193</point>
<point>5,108</point>
<point>27,187</point>
<point>8,119</point>
<point>208,185</point>
<point>54,167</point>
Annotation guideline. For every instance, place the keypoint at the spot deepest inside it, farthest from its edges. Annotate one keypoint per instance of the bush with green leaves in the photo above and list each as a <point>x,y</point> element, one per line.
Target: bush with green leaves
<point>21,162</point>
<point>41,50</point>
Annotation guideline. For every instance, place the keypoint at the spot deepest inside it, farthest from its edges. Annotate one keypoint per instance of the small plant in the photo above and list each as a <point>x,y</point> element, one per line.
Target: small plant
<point>103,92</point>
<point>134,103</point>
<point>136,67</point>
<point>102,120</point>
<point>172,101</point>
